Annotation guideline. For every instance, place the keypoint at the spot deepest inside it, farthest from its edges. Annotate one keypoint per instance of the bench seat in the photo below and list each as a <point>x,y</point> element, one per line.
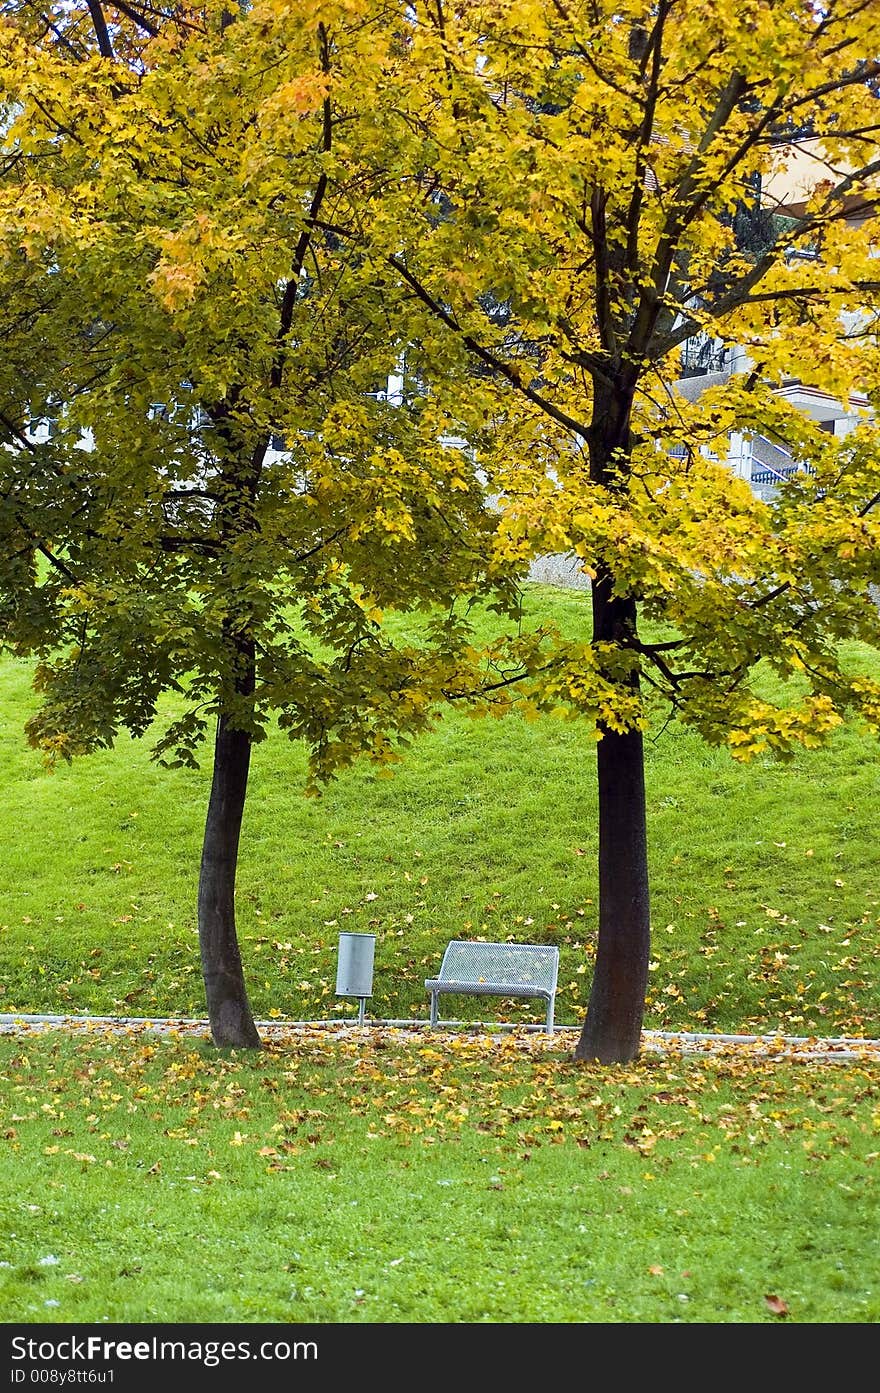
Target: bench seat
<point>472,968</point>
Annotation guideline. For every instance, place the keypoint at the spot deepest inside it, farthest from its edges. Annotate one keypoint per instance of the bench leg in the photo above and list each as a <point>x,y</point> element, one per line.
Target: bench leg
<point>434,1011</point>
<point>550,1015</point>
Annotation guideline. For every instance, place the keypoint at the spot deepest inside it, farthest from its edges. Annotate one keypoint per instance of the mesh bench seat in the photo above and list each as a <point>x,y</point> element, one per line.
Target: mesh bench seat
<point>496,969</point>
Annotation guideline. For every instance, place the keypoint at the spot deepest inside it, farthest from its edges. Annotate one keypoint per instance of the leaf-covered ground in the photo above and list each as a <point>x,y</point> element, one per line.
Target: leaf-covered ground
<point>384,1176</point>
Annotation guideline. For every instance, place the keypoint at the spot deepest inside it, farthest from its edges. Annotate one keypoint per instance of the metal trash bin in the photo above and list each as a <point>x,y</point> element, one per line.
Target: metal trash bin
<point>354,968</point>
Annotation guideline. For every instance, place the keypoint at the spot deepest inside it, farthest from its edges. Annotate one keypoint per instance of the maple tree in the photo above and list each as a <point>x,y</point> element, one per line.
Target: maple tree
<point>230,503</point>
<point>575,198</point>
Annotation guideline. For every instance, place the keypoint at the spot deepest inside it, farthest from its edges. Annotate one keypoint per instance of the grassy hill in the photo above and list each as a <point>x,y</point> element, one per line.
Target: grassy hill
<point>765,903</point>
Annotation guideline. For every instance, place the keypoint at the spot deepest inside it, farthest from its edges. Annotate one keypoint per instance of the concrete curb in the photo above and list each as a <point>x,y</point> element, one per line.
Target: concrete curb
<point>840,1049</point>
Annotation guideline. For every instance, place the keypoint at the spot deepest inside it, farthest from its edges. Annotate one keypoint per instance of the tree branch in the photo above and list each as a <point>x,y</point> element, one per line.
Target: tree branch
<point>137,17</point>
<point>54,560</point>
<point>105,47</point>
<point>484,354</point>
<point>290,290</point>
<point>655,48</point>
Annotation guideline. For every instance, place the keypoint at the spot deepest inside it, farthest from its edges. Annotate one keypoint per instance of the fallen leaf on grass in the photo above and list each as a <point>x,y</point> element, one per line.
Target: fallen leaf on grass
<point>777,1305</point>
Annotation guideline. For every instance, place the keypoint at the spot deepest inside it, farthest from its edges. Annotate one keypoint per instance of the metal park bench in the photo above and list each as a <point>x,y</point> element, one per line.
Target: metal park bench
<point>496,969</point>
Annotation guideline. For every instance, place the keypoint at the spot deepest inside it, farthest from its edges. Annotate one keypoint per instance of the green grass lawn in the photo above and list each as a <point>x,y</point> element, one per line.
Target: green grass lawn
<point>766,900</point>
<point>368,1177</point>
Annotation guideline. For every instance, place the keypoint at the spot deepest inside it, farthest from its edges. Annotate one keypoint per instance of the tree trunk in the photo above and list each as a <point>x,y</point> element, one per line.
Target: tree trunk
<point>613,1026</point>
<point>229,1013</point>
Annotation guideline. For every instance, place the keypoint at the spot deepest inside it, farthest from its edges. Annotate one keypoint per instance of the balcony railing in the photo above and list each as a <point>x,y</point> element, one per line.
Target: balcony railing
<point>771,465</point>
<point>702,354</point>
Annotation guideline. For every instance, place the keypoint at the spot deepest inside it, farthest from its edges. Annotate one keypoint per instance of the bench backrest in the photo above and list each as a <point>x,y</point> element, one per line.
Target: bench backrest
<point>532,964</point>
